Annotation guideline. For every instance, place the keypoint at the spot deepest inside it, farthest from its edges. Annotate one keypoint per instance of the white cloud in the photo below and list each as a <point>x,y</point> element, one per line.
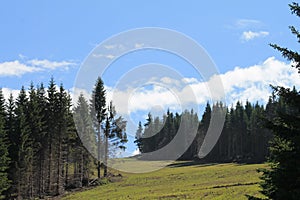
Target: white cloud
<point>108,56</point>
<point>249,83</point>
<point>50,64</point>
<point>250,35</point>
<point>22,56</point>
<point>112,46</point>
<point>8,91</point>
<point>190,80</point>
<point>136,152</point>
<point>252,83</point>
<point>19,68</point>
<point>15,68</point>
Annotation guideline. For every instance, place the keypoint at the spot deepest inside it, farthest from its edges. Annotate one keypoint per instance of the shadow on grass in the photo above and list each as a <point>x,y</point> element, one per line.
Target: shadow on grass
<point>191,163</point>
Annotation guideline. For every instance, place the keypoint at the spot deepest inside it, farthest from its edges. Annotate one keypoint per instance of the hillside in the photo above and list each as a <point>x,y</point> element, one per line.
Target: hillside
<point>181,180</point>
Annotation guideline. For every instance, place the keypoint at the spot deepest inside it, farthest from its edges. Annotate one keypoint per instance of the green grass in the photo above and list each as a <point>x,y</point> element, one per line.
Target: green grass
<point>182,180</point>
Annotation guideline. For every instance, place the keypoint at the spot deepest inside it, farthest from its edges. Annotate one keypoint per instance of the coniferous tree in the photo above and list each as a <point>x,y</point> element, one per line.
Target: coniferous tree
<point>62,113</point>
<point>114,133</point>
<point>4,145</point>
<point>40,102</point>
<point>138,136</point>
<point>51,133</point>
<point>281,181</point>
<point>39,141</point>
<point>147,142</point>
<point>36,125</point>
<point>25,147</point>
<point>98,112</point>
<point>13,147</point>
<point>86,134</point>
<point>243,139</point>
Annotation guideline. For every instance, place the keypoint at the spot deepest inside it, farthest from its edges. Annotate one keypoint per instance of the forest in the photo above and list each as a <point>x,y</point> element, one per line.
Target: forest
<point>244,138</point>
<point>39,137</point>
<point>42,152</point>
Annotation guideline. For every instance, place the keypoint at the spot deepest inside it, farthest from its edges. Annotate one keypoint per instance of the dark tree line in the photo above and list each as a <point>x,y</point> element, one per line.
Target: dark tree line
<point>41,151</point>
<point>243,138</point>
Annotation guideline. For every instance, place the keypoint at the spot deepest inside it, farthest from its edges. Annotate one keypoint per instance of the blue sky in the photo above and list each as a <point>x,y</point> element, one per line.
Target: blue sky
<point>44,38</point>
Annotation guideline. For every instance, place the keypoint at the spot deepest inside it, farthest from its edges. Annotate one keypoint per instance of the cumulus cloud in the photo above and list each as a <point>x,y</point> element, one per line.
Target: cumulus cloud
<point>250,35</point>
<point>249,83</point>
<point>19,68</point>
<point>7,91</point>
<point>15,68</point>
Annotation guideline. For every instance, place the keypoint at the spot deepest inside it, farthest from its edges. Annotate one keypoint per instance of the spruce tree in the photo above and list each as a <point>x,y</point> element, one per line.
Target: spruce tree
<point>138,136</point>
<point>114,134</point>
<point>281,181</point>
<point>4,145</point>
<point>25,147</point>
<point>41,137</point>
<point>13,141</point>
<point>36,125</point>
<point>51,133</point>
<point>86,134</point>
<point>98,112</point>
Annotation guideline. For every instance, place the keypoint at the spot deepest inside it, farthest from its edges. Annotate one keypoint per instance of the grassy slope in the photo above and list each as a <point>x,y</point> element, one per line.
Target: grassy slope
<point>182,181</point>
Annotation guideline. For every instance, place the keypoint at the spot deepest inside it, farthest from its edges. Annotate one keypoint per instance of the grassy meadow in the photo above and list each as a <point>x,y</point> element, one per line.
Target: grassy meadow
<point>180,180</point>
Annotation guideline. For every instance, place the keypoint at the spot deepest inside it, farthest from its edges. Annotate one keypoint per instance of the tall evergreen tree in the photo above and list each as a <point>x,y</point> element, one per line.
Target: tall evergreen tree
<point>114,133</point>
<point>138,136</point>
<point>4,145</point>
<point>51,133</point>
<point>13,141</point>
<point>39,105</point>
<point>98,112</point>
<point>25,147</point>
<point>281,181</point>
<point>86,134</point>
<point>36,125</point>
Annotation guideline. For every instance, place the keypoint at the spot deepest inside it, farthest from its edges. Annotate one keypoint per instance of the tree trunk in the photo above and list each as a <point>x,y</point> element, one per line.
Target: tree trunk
<point>58,183</point>
<point>67,167</point>
<point>49,166</point>
<point>106,154</point>
<point>98,150</point>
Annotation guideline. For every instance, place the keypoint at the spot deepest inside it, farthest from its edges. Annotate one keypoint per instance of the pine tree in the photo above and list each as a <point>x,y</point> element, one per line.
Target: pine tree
<point>147,142</point>
<point>13,141</point>
<point>4,154</point>
<point>25,147</point>
<point>40,102</point>
<point>281,181</point>
<point>51,133</point>
<point>138,136</point>
<point>114,133</point>
<point>62,112</point>
<point>36,125</point>
<point>203,127</point>
<point>98,112</point>
<point>86,134</point>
